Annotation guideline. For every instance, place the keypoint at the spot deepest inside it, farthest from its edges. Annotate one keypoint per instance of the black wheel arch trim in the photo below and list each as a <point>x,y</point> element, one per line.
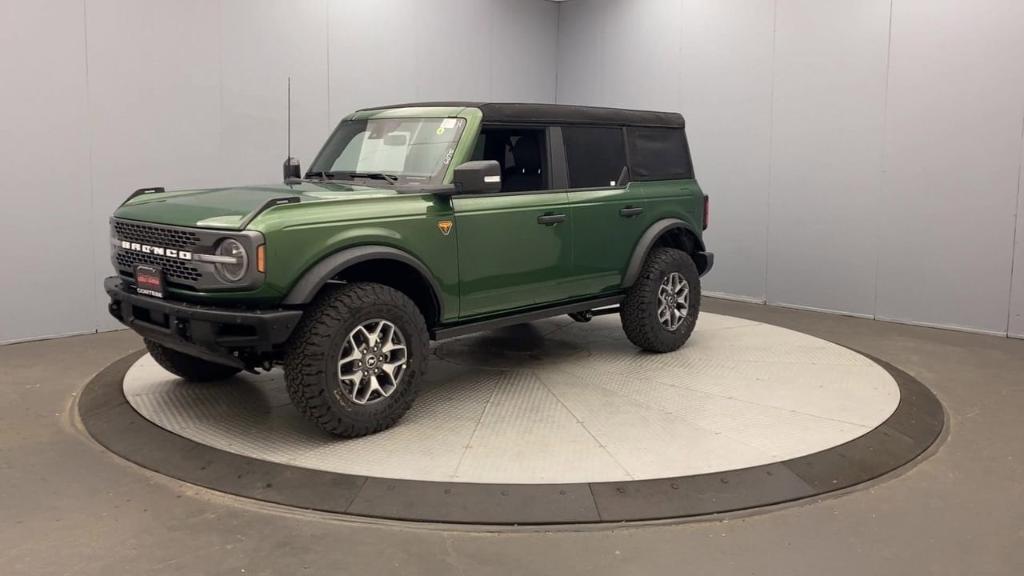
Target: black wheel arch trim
<point>647,241</point>
<point>323,271</point>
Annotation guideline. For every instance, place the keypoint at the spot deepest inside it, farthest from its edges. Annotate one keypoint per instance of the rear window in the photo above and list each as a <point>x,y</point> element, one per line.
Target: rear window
<point>658,154</point>
<point>596,156</point>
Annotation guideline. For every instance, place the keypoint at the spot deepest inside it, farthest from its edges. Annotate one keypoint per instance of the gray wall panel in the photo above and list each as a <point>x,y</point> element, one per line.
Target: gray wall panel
<point>154,107</point>
<point>258,56</point>
<point>639,36</point>
<point>44,155</point>
<point>459,67</point>
<point>894,158</point>
<point>446,50</point>
<point>953,130</point>
<point>368,68</point>
<point>725,87</point>
<point>581,52</point>
<point>828,111</point>
<point>525,42</point>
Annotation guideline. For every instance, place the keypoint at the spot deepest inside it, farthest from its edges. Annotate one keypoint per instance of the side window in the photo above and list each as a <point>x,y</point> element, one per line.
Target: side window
<point>522,154</point>
<point>658,154</point>
<point>595,156</point>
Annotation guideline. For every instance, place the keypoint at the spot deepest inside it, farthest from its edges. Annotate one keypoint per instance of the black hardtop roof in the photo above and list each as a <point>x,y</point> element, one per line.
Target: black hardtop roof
<point>517,112</point>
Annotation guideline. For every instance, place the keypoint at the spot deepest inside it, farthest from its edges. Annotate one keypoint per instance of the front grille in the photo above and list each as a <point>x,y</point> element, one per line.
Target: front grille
<point>156,236</point>
<point>173,268</point>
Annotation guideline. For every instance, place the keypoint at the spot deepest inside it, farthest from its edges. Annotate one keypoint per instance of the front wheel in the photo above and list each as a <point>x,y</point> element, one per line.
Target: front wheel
<point>660,310</point>
<point>354,363</point>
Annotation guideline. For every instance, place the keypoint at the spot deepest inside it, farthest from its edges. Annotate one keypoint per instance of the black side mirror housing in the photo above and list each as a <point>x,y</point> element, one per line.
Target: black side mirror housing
<point>477,177</point>
<point>292,170</point>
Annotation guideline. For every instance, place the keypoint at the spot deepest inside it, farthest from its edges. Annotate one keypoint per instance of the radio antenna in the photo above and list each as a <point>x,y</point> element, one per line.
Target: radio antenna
<point>292,171</point>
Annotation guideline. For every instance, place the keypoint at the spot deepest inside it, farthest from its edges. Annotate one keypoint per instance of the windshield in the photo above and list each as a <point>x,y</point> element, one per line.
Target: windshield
<point>391,150</point>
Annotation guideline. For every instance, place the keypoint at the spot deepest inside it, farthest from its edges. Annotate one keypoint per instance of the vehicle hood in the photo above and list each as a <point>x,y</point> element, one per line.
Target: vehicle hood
<point>231,208</point>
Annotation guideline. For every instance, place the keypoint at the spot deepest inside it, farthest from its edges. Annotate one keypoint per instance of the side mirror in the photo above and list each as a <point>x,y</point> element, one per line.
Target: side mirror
<point>478,177</point>
<point>292,170</point>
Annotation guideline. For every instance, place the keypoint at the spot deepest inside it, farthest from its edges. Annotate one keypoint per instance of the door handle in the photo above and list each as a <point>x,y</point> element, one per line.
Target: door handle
<point>630,211</point>
<point>550,219</point>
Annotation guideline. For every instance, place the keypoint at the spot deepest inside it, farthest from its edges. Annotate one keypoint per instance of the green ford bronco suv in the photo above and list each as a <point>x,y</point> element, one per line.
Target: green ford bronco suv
<point>416,222</point>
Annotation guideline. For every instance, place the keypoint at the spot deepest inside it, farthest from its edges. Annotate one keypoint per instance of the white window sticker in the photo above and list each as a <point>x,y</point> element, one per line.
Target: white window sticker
<point>449,123</point>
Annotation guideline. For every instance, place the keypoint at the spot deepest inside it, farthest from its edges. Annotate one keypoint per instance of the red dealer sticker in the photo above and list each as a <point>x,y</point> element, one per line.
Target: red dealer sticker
<point>149,280</point>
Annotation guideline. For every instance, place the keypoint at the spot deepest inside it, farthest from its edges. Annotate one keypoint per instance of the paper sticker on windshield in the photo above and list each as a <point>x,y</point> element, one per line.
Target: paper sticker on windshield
<point>445,226</point>
<point>446,124</point>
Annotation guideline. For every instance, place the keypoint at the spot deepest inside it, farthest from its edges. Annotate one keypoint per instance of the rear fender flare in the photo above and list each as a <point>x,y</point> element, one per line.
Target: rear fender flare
<point>648,240</point>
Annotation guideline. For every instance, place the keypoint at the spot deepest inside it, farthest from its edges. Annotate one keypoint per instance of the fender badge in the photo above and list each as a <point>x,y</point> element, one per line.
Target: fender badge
<point>445,226</point>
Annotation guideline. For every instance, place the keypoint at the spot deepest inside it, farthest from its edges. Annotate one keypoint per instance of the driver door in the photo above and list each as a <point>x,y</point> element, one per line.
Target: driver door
<point>515,246</point>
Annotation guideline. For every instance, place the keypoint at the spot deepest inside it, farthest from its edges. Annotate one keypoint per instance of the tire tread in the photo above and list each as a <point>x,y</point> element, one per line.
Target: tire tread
<point>311,343</point>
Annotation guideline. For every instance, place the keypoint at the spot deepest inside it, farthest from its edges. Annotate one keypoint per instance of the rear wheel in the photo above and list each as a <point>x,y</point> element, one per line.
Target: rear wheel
<point>188,367</point>
<point>660,310</point>
<point>354,363</point>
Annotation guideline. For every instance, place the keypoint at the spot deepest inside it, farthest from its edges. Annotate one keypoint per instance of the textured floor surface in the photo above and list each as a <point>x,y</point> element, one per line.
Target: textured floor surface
<point>70,507</point>
<point>560,402</point>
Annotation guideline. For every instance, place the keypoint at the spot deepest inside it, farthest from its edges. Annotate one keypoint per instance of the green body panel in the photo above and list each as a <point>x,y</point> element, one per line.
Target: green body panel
<point>496,258</point>
<point>604,239</point>
<point>507,260</point>
<point>225,208</point>
<point>300,235</point>
<point>680,199</point>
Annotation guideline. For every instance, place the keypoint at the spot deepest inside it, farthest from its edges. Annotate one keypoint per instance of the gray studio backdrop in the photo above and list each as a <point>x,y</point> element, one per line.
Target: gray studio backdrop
<point>100,97</point>
<point>863,157</point>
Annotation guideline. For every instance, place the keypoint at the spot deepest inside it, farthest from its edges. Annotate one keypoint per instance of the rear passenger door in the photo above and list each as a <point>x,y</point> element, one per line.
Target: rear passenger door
<point>608,214</point>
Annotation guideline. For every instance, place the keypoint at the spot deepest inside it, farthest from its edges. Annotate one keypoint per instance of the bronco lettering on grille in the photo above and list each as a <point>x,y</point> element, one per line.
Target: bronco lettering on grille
<point>156,250</point>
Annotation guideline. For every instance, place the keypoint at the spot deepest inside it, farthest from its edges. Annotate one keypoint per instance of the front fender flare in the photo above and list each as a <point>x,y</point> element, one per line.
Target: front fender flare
<point>323,271</point>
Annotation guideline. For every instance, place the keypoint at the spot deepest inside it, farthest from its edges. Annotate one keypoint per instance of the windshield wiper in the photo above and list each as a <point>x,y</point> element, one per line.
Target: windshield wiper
<point>389,178</point>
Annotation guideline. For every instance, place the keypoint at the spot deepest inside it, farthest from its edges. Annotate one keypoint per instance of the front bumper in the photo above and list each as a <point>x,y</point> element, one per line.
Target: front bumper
<point>239,337</point>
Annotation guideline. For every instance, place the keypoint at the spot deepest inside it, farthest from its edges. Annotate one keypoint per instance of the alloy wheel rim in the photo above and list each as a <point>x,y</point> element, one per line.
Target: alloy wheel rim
<point>372,361</point>
<point>673,300</point>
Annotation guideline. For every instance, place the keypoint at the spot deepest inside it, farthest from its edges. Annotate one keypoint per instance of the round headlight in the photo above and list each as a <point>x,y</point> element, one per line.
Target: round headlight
<point>232,272</point>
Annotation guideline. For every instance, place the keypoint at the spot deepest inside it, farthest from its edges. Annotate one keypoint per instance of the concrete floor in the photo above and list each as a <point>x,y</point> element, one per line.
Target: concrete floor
<point>69,507</point>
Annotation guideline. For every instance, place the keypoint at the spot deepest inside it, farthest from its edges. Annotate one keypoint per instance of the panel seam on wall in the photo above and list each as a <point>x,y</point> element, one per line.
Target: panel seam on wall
<point>771,145</point>
<point>220,85</point>
<point>558,45</point>
<point>885,160</point>
<point>327,43</point>
<point>1016,225</point>
<point>491,17</point>
<point>97,301</point>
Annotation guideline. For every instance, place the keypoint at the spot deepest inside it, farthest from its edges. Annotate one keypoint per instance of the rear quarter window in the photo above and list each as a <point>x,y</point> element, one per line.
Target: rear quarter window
<point>658,154</point>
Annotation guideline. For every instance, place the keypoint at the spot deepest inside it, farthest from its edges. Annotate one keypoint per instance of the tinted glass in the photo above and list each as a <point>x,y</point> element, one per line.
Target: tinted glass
<point>658,154</point>
<point>521,153</point>
<point>595,156</point>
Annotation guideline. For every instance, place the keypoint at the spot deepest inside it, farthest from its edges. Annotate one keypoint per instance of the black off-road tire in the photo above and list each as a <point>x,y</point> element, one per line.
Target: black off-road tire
<point>639,311</point>
<point>188,367</point>
<point>311,359</point>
